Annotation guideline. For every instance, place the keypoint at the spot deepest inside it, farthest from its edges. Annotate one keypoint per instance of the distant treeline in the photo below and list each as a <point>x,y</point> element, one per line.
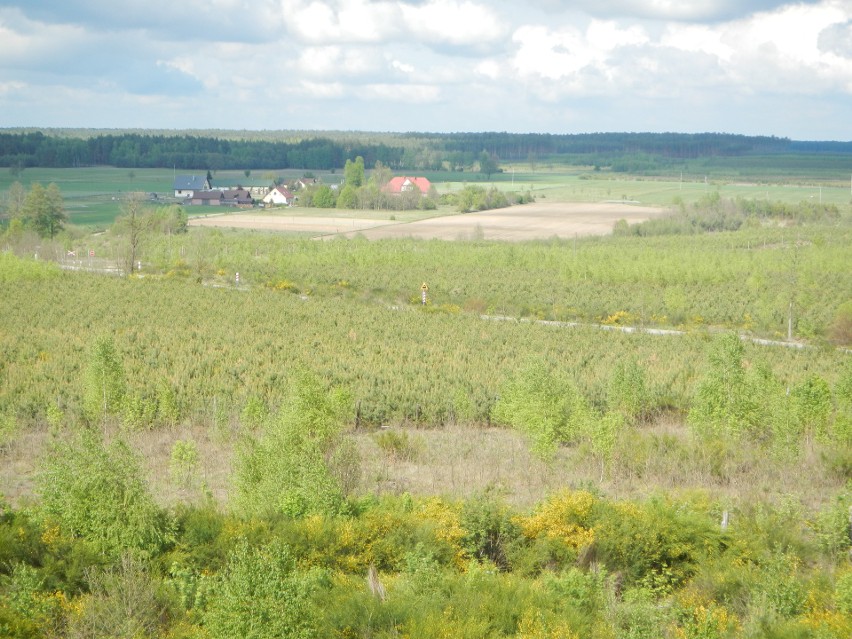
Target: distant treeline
<point>400,151</point>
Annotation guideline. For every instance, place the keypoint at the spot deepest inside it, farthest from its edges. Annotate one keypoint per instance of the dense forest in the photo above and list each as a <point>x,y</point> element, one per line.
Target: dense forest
<point>215,150</point>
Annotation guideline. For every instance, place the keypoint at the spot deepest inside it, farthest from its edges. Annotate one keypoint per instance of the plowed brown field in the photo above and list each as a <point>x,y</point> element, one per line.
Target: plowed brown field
<point>526,222</point>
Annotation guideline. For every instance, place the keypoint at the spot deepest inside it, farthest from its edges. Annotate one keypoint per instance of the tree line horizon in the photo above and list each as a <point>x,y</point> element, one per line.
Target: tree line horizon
<point>326,150</point>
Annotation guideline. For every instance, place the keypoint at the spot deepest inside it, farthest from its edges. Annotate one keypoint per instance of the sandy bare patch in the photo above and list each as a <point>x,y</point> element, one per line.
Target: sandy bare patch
<point>526,222</point>
<point>290,223</point>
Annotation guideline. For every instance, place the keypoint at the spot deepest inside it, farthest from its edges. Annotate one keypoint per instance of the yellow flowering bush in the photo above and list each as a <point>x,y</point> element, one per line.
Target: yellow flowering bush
<point>563,517</point>
<point>447,518</point>
<point>704,619</point>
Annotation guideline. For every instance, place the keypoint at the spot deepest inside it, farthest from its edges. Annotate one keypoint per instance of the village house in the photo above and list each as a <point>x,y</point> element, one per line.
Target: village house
<point>188,185</point>
<point>279,195</point>
<point>304,183</point>
<point>402,184</point>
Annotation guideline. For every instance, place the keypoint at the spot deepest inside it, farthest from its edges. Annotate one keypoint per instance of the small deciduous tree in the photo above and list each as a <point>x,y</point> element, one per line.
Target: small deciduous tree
<point>381,175</point>
<point>301,463</point>
<point>14,201</point>
<point>183,462</point>
<point>628,392</point>
<point>812,406</point>
<point>543,406</point>
<point>105,385</point>
<point>353,172</point>
<point>725,403</point>
<point>43,209</point>
<point>487,164</point>
<point>840,331</point>
<point>133,224</point>
<point>348,198</point>
<point>170,220</point>
<point>323,197</point>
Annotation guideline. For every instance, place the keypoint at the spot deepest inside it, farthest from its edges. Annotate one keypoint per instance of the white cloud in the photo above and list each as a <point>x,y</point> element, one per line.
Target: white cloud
<point>457,22</point>
<point>565,53</point>
<point>550,60</point>
<point>12,87</point>
<point>776,50</point>
<point>407,93</point>
<point>402,66</point>
<point>347,21</point>
<point>490,69</point>
<point>336,61</point>
<point>322,90</point>
<point>29,43</point>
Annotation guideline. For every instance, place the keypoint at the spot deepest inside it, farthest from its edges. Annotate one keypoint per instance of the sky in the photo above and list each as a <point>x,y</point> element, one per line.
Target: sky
<point>753,67</point>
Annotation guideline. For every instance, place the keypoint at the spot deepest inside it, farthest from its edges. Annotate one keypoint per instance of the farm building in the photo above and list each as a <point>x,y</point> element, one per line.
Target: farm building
<point>237,197</point>
<point>258,188</point>
<point>223,197</point>
<point>206,198</point>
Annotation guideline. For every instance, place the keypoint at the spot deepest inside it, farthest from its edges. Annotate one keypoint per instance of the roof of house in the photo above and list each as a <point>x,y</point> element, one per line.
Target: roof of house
<point>240,196</point>
<point>283,191</point>
<point>209,195</point>
<point>190,182</point>
<point>402,183</point>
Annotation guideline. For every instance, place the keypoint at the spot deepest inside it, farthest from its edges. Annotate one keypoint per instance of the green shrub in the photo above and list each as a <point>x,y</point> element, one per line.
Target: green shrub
<point>628,391</point>
<point>16,269</point>
<point>656,544</point>
<point>545,407</point>
<point>638,615</point>
<point>301,463</point>
<point>843,593</point>
<point>27,608</point>
<point>260,595</point>
<point>97,492</point>
<point>398,445</point>
<point>183,462</point>
<point>489,530</point>
<point>123,601</point>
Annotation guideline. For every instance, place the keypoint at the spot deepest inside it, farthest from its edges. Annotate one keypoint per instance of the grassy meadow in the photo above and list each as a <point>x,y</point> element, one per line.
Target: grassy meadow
<point>521,457</point>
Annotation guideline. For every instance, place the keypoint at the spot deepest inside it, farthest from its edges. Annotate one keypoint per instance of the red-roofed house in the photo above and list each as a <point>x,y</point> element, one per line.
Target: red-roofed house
<point>399,185</point>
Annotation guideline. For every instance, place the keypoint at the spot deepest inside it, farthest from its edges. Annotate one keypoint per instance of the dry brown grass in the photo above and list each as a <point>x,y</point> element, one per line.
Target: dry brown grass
<point>462,460</point>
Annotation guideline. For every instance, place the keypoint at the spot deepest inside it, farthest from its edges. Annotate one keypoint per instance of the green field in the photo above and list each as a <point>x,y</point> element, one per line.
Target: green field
<point>93,195</point>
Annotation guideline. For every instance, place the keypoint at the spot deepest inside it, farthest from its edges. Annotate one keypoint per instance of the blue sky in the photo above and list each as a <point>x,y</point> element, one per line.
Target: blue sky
<point>763,67</point>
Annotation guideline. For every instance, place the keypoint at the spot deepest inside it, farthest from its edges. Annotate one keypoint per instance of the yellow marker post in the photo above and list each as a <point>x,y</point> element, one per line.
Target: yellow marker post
<point>423,289</point>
